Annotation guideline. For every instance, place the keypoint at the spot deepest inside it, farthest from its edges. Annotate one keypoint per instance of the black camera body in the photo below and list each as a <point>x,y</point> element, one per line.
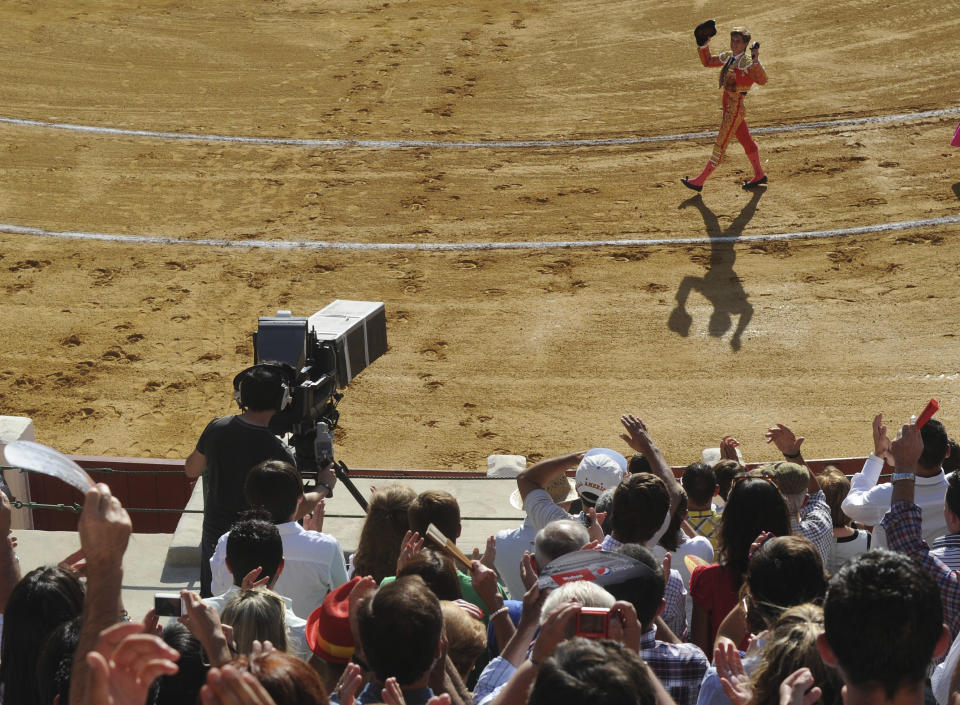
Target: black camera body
<point>317,356</point>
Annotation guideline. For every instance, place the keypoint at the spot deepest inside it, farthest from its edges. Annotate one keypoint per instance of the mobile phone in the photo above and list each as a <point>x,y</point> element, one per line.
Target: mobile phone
<point>928,411</point>
<point>168,604</point>
<point>593,622</point>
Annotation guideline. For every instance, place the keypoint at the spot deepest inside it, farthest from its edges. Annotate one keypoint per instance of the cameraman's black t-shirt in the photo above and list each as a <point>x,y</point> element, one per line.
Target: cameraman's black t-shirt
<point>232,448</point>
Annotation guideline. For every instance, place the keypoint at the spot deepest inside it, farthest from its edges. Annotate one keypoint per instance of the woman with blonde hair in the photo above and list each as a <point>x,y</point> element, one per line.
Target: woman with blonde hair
<point>791,644</point>
<point>382,533</point>
<point>256,615</point>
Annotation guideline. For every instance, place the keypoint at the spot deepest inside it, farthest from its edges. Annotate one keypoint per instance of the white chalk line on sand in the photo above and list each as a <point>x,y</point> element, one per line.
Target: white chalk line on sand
<point>479,144</point>
<point>470,246</point>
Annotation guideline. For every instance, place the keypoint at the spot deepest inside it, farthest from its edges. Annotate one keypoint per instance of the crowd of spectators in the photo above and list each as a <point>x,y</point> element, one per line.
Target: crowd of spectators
<point>773,585</point>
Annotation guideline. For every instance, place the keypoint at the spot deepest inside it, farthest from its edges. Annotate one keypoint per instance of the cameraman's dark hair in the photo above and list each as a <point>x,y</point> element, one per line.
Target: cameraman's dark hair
<point>638,463</point>
<point>640,504</point>
<point>601,672</point>
<point>275,486</point>
<point>671,537</point>
<point>261,388</point>
<point>645,592</point>
<point>699,482</point>
<point>725,471</point>
<point>753,506</point>
<point>437,570</point>
<point>184,685</point>
<point>400,629</point>
<point>785,571</point>
<point>883,618</point>
<point>56,661</point>
<point>836,487</point>
<point>953,493</point>
<point>435,507</point>
<point>934,444</point>
<point>252,543</point>
<point>44,599</point>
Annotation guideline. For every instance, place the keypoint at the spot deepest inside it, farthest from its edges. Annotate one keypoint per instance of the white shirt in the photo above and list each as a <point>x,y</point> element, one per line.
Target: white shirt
<point>541,509</point>
<point>313,565</point>
<point>867,501</point>
<point>296,627</point>
<point>847,547</point>
<point>511,543</point>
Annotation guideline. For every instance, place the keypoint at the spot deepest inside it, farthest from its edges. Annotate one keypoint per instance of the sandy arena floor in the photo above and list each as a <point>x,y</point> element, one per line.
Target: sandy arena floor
<point>127,348</point>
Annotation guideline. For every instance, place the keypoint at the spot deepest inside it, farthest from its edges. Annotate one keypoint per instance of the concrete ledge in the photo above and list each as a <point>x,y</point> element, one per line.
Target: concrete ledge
<point>484,506</point>
<point>184,549</point>
<point>144,572</point>
<point>17,428</point>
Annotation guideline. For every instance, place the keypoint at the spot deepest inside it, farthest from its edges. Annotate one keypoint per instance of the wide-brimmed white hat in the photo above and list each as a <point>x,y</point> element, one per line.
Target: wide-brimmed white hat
<point>561,489</point>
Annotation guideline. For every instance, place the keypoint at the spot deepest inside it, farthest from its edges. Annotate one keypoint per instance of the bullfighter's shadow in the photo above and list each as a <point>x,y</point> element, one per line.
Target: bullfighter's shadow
<point>720,285</point>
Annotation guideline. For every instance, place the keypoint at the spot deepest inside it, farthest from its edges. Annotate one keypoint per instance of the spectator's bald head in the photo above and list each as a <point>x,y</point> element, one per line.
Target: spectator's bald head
<point>557,539</point>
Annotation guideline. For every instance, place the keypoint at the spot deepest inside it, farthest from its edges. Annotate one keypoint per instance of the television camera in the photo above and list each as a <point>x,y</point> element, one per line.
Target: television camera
<point>320,354</point>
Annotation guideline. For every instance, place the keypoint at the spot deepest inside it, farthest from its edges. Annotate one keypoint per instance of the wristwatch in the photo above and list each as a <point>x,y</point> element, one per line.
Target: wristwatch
<point>897,476</point>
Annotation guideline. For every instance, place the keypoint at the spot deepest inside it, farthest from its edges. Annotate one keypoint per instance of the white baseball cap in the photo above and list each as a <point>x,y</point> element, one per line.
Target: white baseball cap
<point>601,469</point>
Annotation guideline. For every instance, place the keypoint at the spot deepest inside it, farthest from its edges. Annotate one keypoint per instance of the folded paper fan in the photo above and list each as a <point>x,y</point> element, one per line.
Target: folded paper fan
<point>691,561</point>
<point>47,461</point>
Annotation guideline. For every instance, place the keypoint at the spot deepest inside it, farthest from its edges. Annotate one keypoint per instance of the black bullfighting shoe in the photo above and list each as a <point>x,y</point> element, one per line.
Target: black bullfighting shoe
<point>756,182</point>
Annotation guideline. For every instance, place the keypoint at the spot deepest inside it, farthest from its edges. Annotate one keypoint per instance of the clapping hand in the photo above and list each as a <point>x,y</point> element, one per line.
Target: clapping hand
<point>786,441</point>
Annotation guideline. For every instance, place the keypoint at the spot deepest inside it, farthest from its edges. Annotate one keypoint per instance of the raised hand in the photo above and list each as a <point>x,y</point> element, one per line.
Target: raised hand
<point>203,621</point>
<point>125,663</point>
<point>314,520</point>
<point>252,580</point>
<point>484,582</point>
<point>881,442</point>
<point>798,689</point>
<point>411,545</point>
<point>75,563</point>
<point>728,448</point>
<point>228,686</point>
<point>554,631</point>
<point>907,447</point>
<point>527,574</point>
<point>786,441</point>
<point>104,529</point>
<point>637,436</point>
<point>349,684</point>
<point>489,557</point>
<point>624,625</point>
<point>735,681</point>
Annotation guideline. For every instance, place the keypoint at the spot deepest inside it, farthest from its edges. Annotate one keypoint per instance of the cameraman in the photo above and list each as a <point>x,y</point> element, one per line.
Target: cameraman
<point>230,446</point>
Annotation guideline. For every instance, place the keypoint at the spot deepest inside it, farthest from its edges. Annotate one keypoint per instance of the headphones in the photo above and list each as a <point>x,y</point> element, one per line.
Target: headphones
<point>282,371</point>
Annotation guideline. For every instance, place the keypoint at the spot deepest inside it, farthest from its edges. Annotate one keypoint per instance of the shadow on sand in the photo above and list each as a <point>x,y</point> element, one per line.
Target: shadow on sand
<point>720,285</point>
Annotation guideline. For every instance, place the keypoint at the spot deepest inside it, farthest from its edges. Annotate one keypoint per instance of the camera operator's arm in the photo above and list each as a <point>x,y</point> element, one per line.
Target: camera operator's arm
<point>195,464</point>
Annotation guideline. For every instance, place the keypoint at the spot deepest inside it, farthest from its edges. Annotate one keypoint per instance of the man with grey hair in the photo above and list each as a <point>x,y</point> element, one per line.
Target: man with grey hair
<point>513,543</point>
<point>558,539</point>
